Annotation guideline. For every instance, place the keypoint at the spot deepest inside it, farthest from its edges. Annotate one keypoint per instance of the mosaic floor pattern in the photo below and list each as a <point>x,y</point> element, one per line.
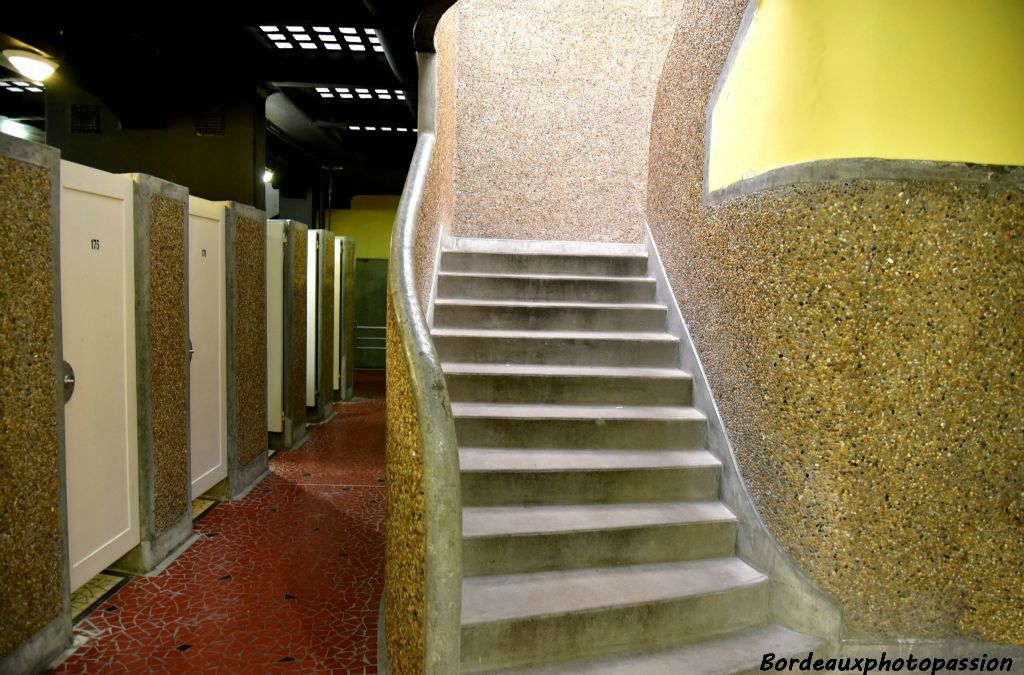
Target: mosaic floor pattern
<point>286,580</point>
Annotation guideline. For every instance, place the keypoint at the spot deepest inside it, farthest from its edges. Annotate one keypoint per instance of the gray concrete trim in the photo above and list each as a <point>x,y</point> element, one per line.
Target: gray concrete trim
<point>152,552</point>
<point>869,168</point>
<point>795,600</point>
<point>240,478</point>
<point>441,479</point>
<point>49,642</point>
<point>383,666</point>
<point>542,247</point>
<point>152,542</point>
<point>43,650</point>
<point>741,36</point>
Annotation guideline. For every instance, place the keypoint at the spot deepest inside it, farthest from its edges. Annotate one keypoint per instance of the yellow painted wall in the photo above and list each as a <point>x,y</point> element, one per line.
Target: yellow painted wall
<point>897,79</point>
<point>369,222</point>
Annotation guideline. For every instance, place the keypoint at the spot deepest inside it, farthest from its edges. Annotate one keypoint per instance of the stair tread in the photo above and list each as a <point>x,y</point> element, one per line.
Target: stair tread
<point>537,369</point>
<point>514,459</point>
<point>470,248</point>
<point>575,412</point>
<point>547,277</point>
<point>552,334</point>
<point>520,596</point>
<point>738,652</point>
<point>545,304</point>
<point>484,521</point>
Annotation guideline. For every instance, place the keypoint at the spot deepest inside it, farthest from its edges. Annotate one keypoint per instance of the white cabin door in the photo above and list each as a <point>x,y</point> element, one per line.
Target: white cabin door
<point>98,328</point>
<point>208,333</point>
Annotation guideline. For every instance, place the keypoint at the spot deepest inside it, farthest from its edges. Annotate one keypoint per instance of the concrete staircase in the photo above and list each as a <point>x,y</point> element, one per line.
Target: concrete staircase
<point>594,541</point>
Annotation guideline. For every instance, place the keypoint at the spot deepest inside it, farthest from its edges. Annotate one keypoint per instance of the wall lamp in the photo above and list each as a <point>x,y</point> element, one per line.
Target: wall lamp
<point>31,65</point>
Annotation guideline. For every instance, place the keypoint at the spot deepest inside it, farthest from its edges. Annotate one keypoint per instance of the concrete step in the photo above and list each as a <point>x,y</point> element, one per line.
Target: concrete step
<point>520,620</point>
<point>545,287</point>
<point>544,263</point>
<point>738,653</point>
<point>516,539</point>
<point>647,350</point>
<point>503,425</point>
<point>541,315</point>
<point>503,476</point>
<point>518,383</point>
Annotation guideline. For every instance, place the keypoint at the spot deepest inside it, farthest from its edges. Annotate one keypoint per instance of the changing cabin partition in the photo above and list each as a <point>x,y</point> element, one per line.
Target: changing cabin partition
<point>344,316</point>
<point>319,325</point>
<point>286,251</point>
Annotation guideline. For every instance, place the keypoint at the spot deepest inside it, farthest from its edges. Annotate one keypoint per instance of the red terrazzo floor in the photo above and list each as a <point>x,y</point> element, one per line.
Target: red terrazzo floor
<point>286,580</point>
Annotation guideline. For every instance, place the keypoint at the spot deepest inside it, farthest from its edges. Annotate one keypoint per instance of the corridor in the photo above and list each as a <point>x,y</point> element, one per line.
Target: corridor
<point>287,579</point>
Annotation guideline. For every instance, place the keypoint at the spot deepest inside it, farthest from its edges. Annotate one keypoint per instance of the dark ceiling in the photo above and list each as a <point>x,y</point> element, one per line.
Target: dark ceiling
<point>339,78</point>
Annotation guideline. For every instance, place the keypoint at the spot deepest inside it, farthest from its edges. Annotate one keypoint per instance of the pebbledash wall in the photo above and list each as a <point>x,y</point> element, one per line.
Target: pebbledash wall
<point>553,107</point>
<point>860,320</point>
<point>861,323</point>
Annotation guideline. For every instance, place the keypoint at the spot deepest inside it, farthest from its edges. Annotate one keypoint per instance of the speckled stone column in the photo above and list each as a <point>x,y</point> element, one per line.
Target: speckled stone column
<point>161,335</point>
<point>35,624</point>
<point>294,394</point>
<point>246,248</point>
<point>348,316</point>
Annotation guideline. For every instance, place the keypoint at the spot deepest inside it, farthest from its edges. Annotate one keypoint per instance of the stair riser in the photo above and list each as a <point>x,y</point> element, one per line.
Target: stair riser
<point>513,554</point>
<point>508,488</point>
<point>498,317</point>
<point>535,640</point>
<point>564,290</point>
<point>499,263</point>
<point>582,390</point>
<point>573,352</point>
<point>486,432</point>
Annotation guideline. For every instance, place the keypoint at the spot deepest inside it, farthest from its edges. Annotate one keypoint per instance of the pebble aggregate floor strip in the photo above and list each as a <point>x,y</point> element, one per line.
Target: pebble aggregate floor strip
<point>286,580</point>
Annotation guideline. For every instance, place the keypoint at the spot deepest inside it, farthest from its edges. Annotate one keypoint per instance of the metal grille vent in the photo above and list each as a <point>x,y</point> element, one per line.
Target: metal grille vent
<point>210,122</point>
<point>85,119</point>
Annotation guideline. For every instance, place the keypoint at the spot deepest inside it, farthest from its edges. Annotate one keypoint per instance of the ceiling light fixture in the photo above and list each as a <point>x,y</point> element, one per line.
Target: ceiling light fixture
<point>302,37</point>
<point>385,128</point>
<point>295,29</point>
<point>307,45</point>
<point>15,128</point>
<point>321,29</point>
<point>276,37</point>
<point>348,31</point>
<point>347,96</point>
<point>327,38</point>
<point>31,65</point>
<point>354,39</point>
<point>403,129</point>
<point>333,46</point>
<point>268,175</point>
<point>357,48</point>
<point>371,128</point>
<point>283,45</point>
<point>353,128</point>
<point>378,48</point>
<point>269,29</point>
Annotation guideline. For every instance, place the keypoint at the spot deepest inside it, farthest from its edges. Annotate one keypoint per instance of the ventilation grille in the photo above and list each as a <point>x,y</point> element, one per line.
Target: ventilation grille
<point>210,122</point>
<point>85,119</point>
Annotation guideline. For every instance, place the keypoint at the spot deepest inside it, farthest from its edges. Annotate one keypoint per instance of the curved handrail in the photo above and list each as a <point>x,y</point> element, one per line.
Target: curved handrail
<point>442,493</point>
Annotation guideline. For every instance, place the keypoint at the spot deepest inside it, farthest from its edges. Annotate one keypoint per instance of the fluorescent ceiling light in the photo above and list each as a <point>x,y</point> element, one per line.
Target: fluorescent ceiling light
<point>385,128</point>
<point>354,39</point>
<point>16,129</point>
<point>348,31</point>
<point>357,48</point>
<point>378,48</point>
<point>268,175</point>
<point>341,90</point>
<point>269,29</point>
<point>283,45</point>
<point>20,84</point>
<point>374,40</point>
<point>385,97</point>
<point>307,45</point>
<point>276,37</point>
<point>327,38</point>
<point>295,29</point>
<point>402,129</point>
<point>31,65</point>
<point>353,128</point>
<point>323,89</point>
<point>366,96</point>
<point>346,96</point>
<point>360,90</point>
<point>34,89</point>
<point>381,91</point>
<point>371,128</point>
<point>302,37</point>
<point>327,95</point>
<point>332,46</point>
<point>15,89</point>
<point>369,31</point>
<point>321,29</point>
